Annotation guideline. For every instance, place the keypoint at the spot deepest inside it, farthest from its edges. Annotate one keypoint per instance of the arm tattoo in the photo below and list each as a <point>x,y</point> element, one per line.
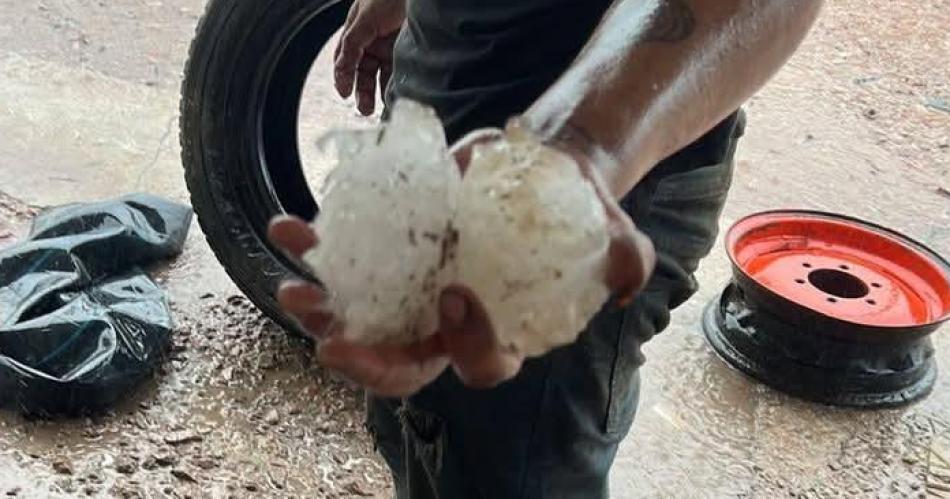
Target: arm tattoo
<point>673,21</point>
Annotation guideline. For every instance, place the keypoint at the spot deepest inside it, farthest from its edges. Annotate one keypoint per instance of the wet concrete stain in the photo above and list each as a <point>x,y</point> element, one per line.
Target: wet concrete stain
<point>88,97</point>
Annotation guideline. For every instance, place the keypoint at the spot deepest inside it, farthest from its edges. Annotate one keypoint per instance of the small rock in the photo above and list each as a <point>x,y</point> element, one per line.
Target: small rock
<point>268,362</point>
<point>126,492</point>
<point>870,114</point>
<point>183,475</point>
<point>126,465</point>
<point>206,296</point>
<point>272,417</point>
<point>357,488</point>
<point>90,490</point>
<point>204,462</point>
<point>909,459</point>
<point>834,466</point>
<point>66,485</point>
<point>251,487</point>
<point>943,191</point>
<point>182,438</point>
<point>63,467</point>
<point>915,485</point>
<point>293,410</point>
<point>165,459</point>
<point>14,491</point>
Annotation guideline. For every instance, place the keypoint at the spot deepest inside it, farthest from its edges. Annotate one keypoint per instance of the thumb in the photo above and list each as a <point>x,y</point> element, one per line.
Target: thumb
<point>469,340</point>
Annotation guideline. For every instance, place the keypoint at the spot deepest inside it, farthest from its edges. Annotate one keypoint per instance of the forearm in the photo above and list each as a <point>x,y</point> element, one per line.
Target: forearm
<point>658,74</point>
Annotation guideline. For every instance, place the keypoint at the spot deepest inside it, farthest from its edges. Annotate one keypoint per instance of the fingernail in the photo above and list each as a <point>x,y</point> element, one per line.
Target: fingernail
<point>454,308</point>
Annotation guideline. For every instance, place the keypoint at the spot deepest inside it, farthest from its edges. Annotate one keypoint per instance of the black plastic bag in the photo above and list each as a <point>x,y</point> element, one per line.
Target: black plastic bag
<point>80,323</point>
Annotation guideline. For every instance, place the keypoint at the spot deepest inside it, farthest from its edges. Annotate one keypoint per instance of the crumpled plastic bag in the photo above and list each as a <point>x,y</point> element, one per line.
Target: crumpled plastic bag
<point>80,323</point>
<point>523,229</point>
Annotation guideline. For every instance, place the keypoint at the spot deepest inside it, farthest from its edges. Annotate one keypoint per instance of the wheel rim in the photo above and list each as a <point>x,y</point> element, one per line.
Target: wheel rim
<point>830,308</point>
<point>842,268</point>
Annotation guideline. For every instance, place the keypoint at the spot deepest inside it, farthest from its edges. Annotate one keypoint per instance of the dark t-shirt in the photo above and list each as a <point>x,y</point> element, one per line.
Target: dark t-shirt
<point>479,62</point>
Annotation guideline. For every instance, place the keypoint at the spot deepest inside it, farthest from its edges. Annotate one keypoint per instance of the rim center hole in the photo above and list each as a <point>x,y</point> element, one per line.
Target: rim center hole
<point>838,283</point>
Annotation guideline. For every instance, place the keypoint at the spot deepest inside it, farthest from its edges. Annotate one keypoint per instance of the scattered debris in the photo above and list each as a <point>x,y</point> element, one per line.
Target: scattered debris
<point>204,462</point>
<point>126,465</point>
<point>182,438</point>
<point>356,488</point>
<point>165,459</point>
<point>63,467</point>
<point>866,79</point>
<point>183,475</point>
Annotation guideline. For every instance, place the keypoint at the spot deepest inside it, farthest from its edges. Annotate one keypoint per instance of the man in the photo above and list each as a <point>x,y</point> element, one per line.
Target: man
<point>643,94</point>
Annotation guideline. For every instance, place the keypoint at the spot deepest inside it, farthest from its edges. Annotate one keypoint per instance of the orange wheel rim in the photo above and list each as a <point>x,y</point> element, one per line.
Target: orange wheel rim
<point>842,268</point>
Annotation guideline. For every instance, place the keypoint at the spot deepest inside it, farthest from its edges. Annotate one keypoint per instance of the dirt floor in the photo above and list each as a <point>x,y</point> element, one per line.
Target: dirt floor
<point>857,123</point>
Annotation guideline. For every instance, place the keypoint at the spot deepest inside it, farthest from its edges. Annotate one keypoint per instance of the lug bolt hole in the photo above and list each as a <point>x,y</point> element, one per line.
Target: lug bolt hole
<point>838,284</point>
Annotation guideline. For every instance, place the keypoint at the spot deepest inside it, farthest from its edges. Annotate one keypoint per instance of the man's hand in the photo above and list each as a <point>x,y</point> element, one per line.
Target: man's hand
<point>465,339</point>
<point>365,50</point>
<point>391,371</point>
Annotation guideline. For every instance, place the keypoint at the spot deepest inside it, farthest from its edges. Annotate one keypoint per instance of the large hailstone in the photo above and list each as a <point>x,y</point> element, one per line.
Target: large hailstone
<point>386,206</point>
<point>533,242</point>
<point>523,229</point>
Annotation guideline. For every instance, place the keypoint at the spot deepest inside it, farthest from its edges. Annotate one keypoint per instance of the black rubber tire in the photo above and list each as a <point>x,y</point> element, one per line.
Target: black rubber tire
<point>241,92</point>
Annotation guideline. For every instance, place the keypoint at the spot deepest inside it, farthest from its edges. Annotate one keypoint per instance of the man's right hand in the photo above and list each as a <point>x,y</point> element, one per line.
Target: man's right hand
<point>365,50</point>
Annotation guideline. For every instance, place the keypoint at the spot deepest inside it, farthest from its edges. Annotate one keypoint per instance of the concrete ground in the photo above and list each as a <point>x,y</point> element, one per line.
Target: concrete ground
<point>857,123</point>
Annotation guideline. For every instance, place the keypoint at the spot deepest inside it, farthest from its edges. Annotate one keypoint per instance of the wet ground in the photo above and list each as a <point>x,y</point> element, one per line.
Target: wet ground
<point>857,123</point>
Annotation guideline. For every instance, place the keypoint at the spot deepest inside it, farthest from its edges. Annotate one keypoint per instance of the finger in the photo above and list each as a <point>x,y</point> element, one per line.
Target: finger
<point>291,234</point>
<point>396,370</point>
<point>631,256</point>
<point>631,259</point>
<point>350,16</point>
<point>352,45</point>
<point>306,303</point>
<point>384,53</point>
<point>478,359</point>
<point>462,150</point>
<point>385,74</point>
<point>366,85</point>
<point>299,298</point>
